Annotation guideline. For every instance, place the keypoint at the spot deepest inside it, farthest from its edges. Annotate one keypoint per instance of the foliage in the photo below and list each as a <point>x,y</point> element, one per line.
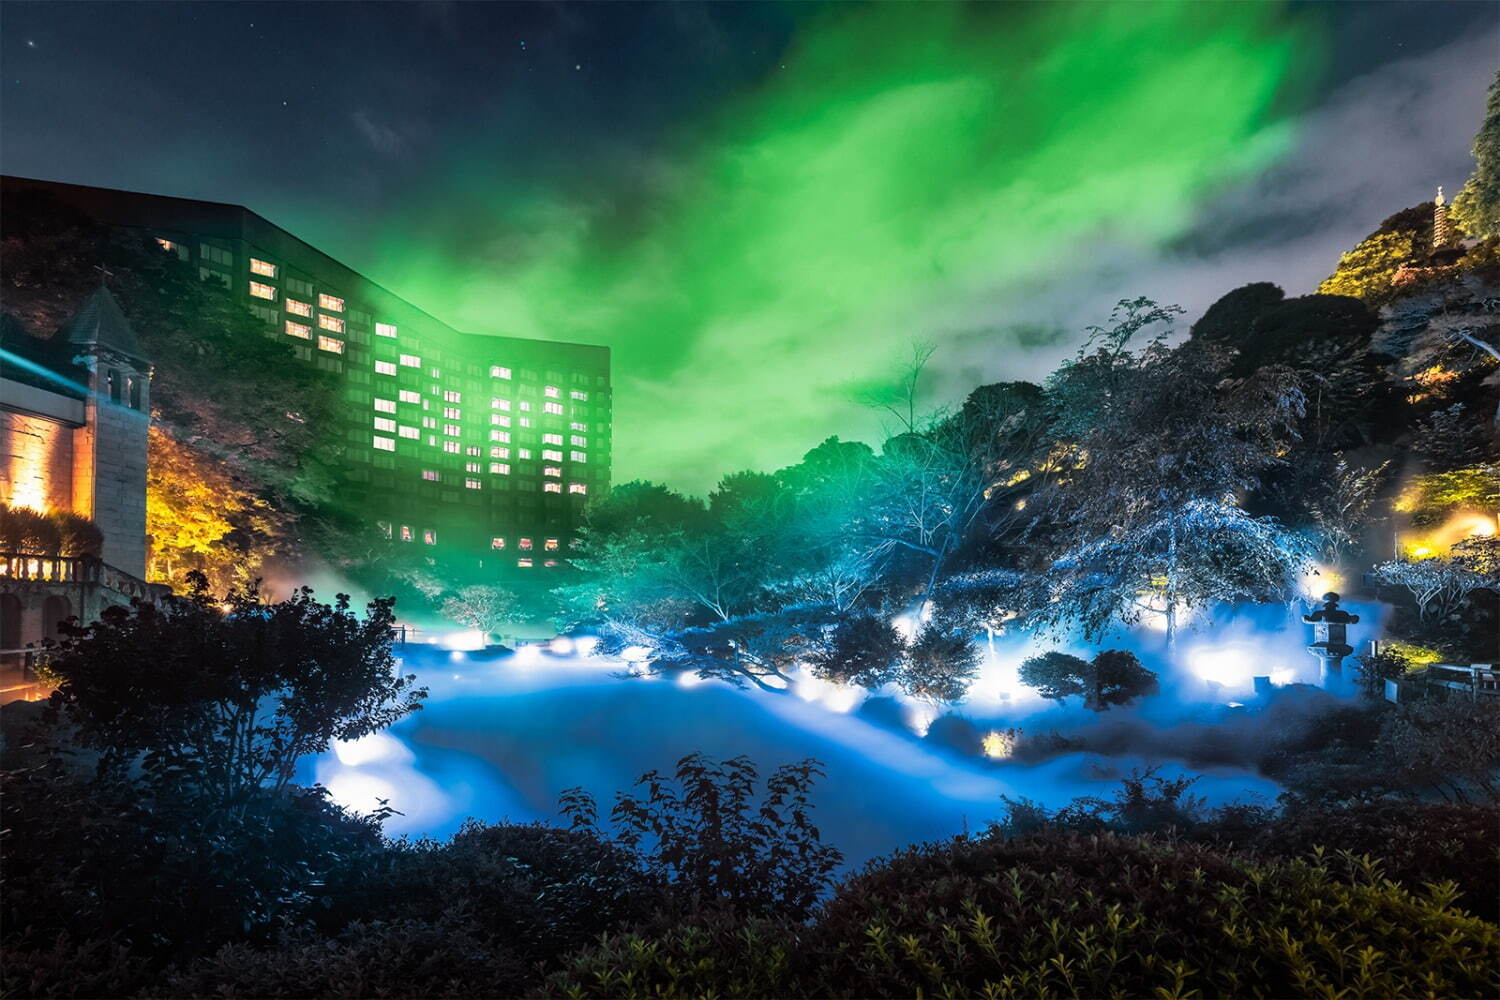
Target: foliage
<point>1230,319</point>
<point>1366,271</point>
<point>57,533</point>
<point>1070,916</point>
<point>1450,745</point>
<point>1441,586</point>
<point>481,606</point>
<point>861,649</point>
<point>1476,208</point>
<point>1113,677</point>
<point>940,662</point>
<point>704,832</point>
<point>1372,670</point>
<point>1430,497</point>
<point>218,702</point>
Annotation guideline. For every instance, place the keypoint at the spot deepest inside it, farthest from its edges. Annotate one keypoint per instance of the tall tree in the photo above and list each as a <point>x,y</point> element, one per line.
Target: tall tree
<point>1477,206</point>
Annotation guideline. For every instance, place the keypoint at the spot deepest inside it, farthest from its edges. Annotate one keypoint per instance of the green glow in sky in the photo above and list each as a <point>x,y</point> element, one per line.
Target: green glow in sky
<point>911,166</point>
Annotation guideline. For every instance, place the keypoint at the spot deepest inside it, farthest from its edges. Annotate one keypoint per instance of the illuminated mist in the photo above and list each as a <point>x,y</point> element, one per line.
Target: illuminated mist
<point>908,174</point>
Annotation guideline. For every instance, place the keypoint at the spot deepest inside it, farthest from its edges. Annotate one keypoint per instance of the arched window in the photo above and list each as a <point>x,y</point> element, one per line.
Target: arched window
<point>112,379</point>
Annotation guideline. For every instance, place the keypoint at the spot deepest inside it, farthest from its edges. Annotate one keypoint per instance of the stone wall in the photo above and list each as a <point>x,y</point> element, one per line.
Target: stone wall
<point>37,447</point>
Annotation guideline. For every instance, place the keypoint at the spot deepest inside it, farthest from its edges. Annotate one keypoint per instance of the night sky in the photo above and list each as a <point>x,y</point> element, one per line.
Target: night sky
<point>760,207</point>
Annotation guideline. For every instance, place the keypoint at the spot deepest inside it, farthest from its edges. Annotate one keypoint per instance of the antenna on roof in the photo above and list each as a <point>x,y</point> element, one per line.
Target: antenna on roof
<point>104,274</point>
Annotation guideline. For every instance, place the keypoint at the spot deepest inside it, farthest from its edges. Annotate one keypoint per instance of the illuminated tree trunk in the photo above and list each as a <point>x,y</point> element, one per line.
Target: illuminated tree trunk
<point>1171,593</point>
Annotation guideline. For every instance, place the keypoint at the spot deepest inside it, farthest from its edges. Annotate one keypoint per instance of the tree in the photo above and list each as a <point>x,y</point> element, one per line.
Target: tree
<point>1442,586</point>
<point>1230,319</point>
<point>1161,445</point>
<point>861,649</point>
<point>1338,501</point>
<point>1113,677</point>
<point>1366,271</point>
<point>941,661</point>
<point>221,699</point>
<point>1476,208</point>
<point>482,606</point>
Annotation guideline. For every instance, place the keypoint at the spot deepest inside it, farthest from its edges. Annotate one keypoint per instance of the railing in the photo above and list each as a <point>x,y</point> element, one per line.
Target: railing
<point>50,569</point>
<point>1477,678</point>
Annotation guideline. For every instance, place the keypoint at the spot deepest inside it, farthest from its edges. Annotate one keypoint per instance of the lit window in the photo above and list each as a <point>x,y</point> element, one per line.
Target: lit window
<point>298,330</point>
<point>430,423</point>
<point>523,563</point>
<point>385,405</point>
<point>385,444</point>
<point>331,345</point>
<point>577,488</point>
<point>452,447</point>
<point>263,291</point>
<point>578,441</point>
<point>472,451</point>
<point>165,244</point>
<point>550,545</point>
<point>471,466</point>
<point>499,469</point>
<point>502,436</point>
<point>436,373</point>
<point>409,396</point>
<point>406,535</point>
<point>578,456</point>
<point>384,368</point>
<point>575,425</point>
<point>298,308</point>
<point>452,430</point>
<point>331,323</point>
<point>499,420</point>
<point>452,413</point>
<point>498,452</point>
<point>551,470</point>
<point>551,439</point>
<point>525,406</point>
<point>411,361</point>
<point>385,528</point>
<point>385,330</point>
<point>331,302</point>
<point>552,487</point>
<point>429,536</point>
<point>497,371</point>
<point>452,396</point>
<point>496,403</point>
<point>553,408</point>
<point>497,543</point>
<point>472,484</point>
<point>431,475</point>
<point>550,562</point>
<point>407,431</point>
<point>263,268</point>
<point>549,455</point>
<point>525,421</point>
<point>523,452</point>
<point>580,396</point>
<point>553,391</point>
<point>385,424</point>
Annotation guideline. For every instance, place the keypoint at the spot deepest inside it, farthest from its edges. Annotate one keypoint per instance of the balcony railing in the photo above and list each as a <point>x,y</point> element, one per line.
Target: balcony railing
<point>50,569</point>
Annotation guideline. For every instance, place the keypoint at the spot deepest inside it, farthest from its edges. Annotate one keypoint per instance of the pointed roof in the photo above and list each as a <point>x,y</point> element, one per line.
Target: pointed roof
<point>99,323</point>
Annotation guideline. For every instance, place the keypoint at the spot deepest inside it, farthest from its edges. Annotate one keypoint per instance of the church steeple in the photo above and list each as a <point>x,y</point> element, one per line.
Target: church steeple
<point>1442,230</point>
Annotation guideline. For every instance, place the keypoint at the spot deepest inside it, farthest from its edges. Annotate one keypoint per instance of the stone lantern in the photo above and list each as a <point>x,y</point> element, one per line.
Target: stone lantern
<point>1330,640</point>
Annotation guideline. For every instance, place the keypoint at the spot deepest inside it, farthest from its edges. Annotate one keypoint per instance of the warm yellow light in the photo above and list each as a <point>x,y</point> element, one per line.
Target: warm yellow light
<point>1000,743</point>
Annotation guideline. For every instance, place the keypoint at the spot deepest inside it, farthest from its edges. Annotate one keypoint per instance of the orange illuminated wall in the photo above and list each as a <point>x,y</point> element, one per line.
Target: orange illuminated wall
<point>37,447</point>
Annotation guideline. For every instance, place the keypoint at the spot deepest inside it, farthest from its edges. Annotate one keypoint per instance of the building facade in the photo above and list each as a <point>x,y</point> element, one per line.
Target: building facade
<point>468,445</point>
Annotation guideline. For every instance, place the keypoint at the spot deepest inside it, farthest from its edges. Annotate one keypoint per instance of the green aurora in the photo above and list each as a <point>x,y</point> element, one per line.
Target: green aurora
<point>909,170</point>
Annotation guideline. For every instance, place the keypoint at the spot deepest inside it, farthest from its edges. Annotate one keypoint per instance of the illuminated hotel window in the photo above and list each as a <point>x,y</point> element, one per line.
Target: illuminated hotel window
<point>553,408</point>
<point>550,545</point>
<point>499,420</point>
<point>578,456</point>
<point>581,396</point>
<point>407,431</point>
<point>578,441</point>
<point>551,439</point>
<point>330,345</point>
<point>453,396</point>
<point>263,268</point>
<point>385,330</point>
<point>452,413</point>
<point>299,308</point>
<point>411,361</point>
<point>525,421</point>
<point>498,371</point>
<point>525,406</point>
<point>384,368</point>
<point>452,447</point>
<point>298,330</point>
<point>471,484</point>
<point>502,436</point>
<point>165,244</point>
<point>471,467</point>
<point>577,488</point>
<point>429,536</point>
<point>262,291</point>
<point>552,487</point>
<point>472,450</point>
<point>332,302</point>
<point>498,452</point>
<point>436,373</point>
<point>499,469</point>
<point>551,470</point>
<point>453,430</point>
<point>553,391</point>
<point>496,403</point>
<point>523,452</point>
<point>406,533</point>
<point>497,543</point>
<point>385,444</point>
<point>430,423</point>
<point>551,455</point>
<point>526,545</point>
<point>431,475</point>
<point>385,424</point>
<point>408,396</point>
<point>575,425</point>
<point>331,323</point>
<point>550,563</point>
<point>385,405</point>
<point>523,563</point>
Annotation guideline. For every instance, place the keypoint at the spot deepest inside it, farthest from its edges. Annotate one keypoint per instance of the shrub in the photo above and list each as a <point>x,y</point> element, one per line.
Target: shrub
<point>1070,916</point>
<point>77,535</point>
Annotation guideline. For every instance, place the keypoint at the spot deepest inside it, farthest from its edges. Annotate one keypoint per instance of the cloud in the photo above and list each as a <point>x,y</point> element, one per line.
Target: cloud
<point>382,138</point>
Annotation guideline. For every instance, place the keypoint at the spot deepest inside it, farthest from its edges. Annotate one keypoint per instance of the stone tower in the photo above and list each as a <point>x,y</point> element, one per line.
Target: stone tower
<point>1442,229</point>
<point>109,454</point>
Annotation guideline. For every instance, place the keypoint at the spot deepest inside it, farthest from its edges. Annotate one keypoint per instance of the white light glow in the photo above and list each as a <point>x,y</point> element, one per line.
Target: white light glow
<point>1231,666</point>
<point>635,654</point>
<point>465,639</point>
<point>374,748</point>
<point>562,645</point>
